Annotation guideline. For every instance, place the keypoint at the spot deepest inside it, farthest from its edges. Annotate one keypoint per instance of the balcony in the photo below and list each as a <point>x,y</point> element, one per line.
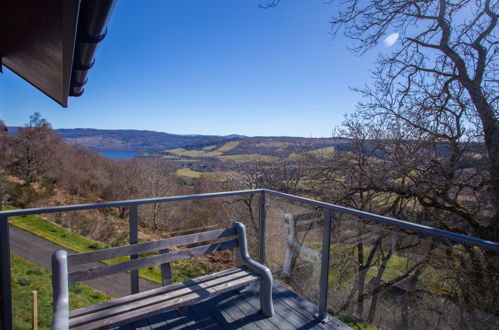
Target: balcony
<point>330,263</point>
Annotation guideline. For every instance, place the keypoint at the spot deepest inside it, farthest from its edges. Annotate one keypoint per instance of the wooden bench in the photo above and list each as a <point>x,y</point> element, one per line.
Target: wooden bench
<point>144,304</point>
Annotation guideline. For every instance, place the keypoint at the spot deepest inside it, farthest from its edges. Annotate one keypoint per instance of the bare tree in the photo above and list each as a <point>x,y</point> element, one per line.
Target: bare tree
<point>441,80</point>
<point>425,141</point>
<point>148,178</point>
<point>5,150</point>
<point>34,147</point>
<point>440,85</point>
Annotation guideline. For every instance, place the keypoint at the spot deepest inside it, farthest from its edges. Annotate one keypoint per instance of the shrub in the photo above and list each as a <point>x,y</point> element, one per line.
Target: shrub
<point>34,271</point>
<point>23,281</point>
<point>95,246</point>
<point>75,288</point>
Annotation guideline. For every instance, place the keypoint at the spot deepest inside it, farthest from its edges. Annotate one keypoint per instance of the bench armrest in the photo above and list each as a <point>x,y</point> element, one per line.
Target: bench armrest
<point>244,255</point>
<point>60,318</point>
<point>266,280</point>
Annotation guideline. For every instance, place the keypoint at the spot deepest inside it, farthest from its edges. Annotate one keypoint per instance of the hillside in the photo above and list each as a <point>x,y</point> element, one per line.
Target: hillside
<point>127,140</point>
<point>193,147</point>
<point>130,140</point>
<point>247,149</point>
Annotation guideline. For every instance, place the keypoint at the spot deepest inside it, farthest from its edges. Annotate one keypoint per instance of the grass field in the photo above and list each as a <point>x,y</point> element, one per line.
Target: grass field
<point>27,277</point>
<point>246,158</point>
<point>188,153</point>
<point>209,151</point>
<point>322,151</point>
<point>214,153</point>
<point>228,146</point>
<point>188,173</point>
<point>213,146</point>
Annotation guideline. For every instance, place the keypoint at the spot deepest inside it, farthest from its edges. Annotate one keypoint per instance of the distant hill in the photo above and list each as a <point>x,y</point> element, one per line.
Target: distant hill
<point>249,148</point>
<point>128,140</point>
<point>185,147</point>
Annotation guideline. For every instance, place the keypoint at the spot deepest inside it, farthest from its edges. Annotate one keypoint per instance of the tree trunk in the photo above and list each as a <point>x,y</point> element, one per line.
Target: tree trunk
<point>360,280</point>
<point>376,283</point>
<point>490,126</point>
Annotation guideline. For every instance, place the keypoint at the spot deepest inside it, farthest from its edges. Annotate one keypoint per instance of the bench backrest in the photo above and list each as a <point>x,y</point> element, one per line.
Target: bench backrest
<point>225,239</point>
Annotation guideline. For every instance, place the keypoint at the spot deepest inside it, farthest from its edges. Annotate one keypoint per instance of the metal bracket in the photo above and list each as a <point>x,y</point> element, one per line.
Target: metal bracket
<point>241,290</point>
<point>324,319</point>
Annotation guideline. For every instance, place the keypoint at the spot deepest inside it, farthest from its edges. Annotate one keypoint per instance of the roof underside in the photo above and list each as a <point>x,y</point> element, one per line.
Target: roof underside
<point>52,43</point>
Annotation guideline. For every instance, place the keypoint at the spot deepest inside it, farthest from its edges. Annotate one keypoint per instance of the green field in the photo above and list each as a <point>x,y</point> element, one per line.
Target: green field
<point>246,158</point>
<point>188,173</point>
<point>209,151</point>
<point>27,277</point>
<point>213,146</point>
<point>188,153</point>
<point>228,146</point>
<point>214,153</point>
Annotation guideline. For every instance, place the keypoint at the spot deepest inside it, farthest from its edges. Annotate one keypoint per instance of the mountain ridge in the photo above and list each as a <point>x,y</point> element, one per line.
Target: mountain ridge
<point>156,143</point>
<point>128,139</point>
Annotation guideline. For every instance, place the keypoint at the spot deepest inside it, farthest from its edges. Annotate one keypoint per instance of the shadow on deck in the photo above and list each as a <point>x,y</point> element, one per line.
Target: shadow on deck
<point>234,310</point>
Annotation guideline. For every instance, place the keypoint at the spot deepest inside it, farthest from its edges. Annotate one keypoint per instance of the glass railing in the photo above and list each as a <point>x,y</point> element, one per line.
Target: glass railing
<point>383,272</point>
<point>356,265</point>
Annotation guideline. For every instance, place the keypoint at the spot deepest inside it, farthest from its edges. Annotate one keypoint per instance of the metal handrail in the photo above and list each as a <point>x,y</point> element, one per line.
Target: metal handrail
<point>124,203</point>
<point>458,238</point>
<point>5,293</point>
<point>432,231</point>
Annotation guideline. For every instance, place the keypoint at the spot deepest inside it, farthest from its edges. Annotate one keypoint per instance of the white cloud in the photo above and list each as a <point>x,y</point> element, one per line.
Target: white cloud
<point>391,39</point>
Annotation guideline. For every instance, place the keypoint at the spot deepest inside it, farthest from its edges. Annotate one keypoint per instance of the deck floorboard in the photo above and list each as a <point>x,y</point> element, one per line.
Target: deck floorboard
<point>233,310</point>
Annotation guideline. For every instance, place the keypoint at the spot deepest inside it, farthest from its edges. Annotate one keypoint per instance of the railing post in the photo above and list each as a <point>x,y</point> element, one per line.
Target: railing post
<point>324,280</point>
<point>166,271</point>
<point>5,277</point>
<point>134,239</point>
<point>261,228</point>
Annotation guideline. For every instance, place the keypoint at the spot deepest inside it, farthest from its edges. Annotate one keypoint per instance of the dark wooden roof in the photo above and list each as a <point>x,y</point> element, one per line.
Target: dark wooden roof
<point>51,43</point>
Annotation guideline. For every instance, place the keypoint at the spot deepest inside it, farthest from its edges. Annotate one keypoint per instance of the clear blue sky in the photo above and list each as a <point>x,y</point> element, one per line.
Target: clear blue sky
<point>209,67</point>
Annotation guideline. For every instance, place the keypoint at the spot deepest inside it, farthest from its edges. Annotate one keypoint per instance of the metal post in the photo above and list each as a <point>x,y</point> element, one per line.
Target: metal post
<point>5,277</point>
<point>324,280</point>
<point>134,239</point>
<point>261,229</point>
<point>166,271</point>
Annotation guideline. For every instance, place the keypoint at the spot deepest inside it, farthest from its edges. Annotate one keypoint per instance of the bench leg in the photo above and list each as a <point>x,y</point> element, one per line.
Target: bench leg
<point>266,304</point>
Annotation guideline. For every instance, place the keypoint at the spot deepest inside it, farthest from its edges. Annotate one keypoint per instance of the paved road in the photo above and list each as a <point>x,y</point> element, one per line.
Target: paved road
<point>39,251</point>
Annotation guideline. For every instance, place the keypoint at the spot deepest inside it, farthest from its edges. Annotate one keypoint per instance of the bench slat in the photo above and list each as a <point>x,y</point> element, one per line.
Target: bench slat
<point>119,267</point>
<point>83,258</point>
<point>150,293</point>
<point>188,295</point>
<point>173,296</point>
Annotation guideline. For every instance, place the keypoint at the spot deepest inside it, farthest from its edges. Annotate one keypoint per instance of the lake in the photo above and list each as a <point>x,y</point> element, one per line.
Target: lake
<point>118,154</point>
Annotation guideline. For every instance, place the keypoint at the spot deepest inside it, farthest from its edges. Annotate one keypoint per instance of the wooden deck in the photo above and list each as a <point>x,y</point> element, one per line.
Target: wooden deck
<point>240,311</point>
